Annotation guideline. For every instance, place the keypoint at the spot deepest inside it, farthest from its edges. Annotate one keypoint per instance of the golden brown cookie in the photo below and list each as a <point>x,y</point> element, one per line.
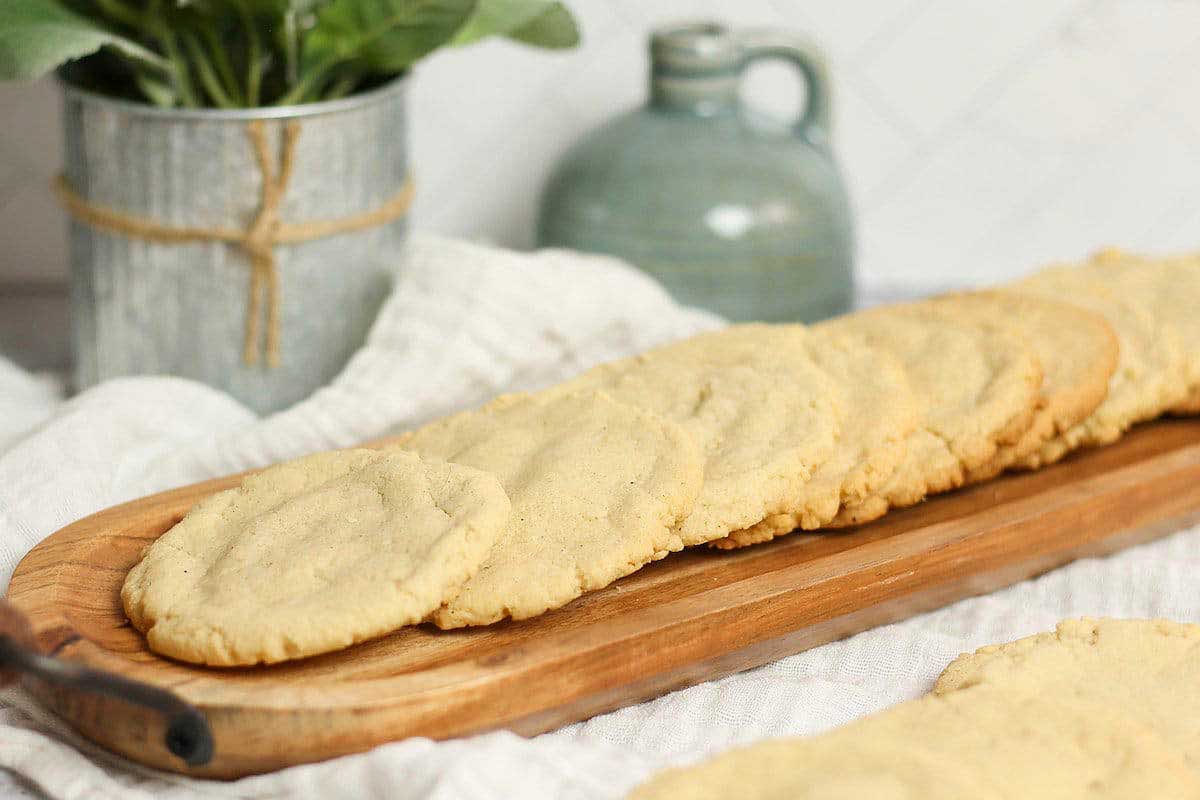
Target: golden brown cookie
<point>756,399</point>
<point>879,412</point>
<point>1076,348</point>
<point>1150,376</point>
<point>1169,288</point>
<point>314,555</point>
<point>597,489</point>
<point>978,386</point>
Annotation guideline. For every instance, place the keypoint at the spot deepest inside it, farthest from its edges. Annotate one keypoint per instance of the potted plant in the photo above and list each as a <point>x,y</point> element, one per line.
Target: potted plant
<point>236,174</point>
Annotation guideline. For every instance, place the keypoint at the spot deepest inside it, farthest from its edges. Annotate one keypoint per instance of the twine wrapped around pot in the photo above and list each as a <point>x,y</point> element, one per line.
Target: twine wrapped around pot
<point>258,241</point>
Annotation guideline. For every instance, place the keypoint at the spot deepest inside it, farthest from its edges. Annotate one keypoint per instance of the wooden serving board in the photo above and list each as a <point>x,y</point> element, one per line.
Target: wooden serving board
<point>690,618</point>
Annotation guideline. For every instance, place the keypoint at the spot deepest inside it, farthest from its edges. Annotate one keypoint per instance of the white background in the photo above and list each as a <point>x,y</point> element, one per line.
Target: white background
<point>980,139</point>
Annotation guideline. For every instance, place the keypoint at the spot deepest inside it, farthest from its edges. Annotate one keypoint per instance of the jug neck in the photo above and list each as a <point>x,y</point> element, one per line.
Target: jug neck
<point>696,68</point>
<point>704,96</point>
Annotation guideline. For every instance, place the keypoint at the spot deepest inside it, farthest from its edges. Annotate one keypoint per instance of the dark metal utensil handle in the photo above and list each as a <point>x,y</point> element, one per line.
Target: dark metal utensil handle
<point>188,734</point>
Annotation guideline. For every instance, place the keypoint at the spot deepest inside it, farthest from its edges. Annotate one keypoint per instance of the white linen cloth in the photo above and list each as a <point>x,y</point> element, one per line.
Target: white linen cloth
<point>464,323</point>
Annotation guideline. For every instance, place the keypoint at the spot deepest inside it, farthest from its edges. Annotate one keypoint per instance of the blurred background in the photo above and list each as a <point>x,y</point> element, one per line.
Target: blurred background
<point>978,139</point>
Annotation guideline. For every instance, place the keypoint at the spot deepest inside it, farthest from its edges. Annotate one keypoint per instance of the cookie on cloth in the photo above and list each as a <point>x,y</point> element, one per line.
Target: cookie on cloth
<point>880,411</point>
<point>985,743</point>
<point>1096,710</point>
<point>1149,669</point>
<point>597,489</point>
<point>833,766</point>
<point>756,399</point>
<point>1169,288</point>
<point>1150,376</point>
<point>977,385</point>
<point>1076,348</point>
<point>314,555</point>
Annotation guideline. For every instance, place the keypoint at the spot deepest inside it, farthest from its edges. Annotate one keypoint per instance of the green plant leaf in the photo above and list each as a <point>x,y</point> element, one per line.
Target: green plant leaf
<point>383,35</point>
<point>156,91</point>
<point>554,28</point>
<point>499,18</point>
<point>37,36</point>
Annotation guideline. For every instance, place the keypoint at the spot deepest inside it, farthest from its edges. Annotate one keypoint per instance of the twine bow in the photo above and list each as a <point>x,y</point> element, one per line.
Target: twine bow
<point>258,241</point>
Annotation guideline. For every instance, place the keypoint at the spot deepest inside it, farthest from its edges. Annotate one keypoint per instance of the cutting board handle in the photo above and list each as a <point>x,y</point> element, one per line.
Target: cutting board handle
<point>187,735</point>
<point>15,628</point>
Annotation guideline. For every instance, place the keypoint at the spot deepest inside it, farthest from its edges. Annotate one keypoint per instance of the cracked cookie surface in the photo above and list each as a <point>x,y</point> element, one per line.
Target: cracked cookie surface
<point>314,555</point>
<point>1078,352</point>
<point>756,400</point>
<point>977,387</point>
<point>1150,375</point>
<point>879,413</point>
<point>597,489</point>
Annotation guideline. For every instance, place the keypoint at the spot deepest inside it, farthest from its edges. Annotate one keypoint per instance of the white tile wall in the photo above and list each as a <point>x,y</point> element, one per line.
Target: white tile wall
<point>979,138</point>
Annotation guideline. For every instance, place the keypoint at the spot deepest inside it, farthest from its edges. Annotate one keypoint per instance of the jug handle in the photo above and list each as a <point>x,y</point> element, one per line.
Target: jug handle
<point>816,119</point>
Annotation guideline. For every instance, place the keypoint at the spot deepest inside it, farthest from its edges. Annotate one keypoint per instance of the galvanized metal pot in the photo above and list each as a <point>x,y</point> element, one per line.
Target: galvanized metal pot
<point>143,307</point>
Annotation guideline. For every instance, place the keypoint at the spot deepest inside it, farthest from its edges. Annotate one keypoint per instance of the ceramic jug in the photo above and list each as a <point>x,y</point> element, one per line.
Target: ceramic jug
<point>732,212</point>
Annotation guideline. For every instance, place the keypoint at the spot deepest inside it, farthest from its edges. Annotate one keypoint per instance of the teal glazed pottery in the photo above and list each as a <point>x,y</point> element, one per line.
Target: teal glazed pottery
<point>732,212</point>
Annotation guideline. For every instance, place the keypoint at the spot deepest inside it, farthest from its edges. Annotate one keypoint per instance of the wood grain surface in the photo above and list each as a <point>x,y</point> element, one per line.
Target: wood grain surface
<point>690,618</point>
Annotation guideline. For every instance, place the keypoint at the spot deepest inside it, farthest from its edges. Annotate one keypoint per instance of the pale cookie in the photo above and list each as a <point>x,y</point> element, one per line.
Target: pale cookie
<point>834,766</point>
<point>1045,745</point>
<point>1170,289</point>
<point>597,489</point>
<point>754,397</point>
<point>879,412</point>
<point>1000,743</point>
<point>928,468</point>
<point>977,385</point>
<point>1147,669</point>
<point>1150,373</point>
<point>1076,348</point>
<point>314,555</point>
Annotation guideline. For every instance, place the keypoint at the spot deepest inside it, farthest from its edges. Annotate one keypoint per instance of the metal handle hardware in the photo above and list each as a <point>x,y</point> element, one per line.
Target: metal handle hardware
<point>188,734</point>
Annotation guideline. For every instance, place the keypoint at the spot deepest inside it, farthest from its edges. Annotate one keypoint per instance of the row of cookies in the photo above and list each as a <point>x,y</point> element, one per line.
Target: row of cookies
<point>1116,341</point>
<point>597,477</point>
<point>1096,709</point>
<point>728,438</point>
<point>752,412</point>
<point>835,424</point>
